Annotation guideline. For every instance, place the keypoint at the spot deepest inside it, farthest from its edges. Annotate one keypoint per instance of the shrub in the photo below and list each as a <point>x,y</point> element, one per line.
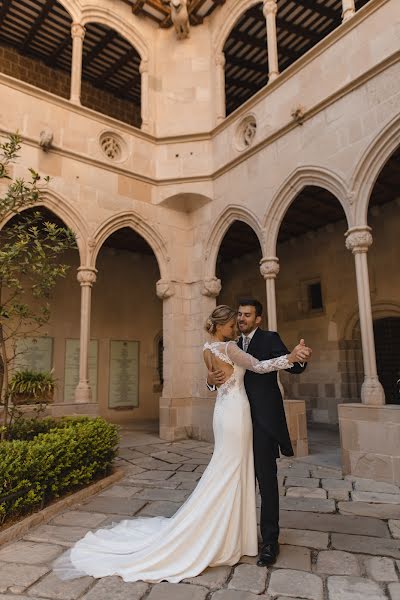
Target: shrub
<point>27,387</point>
<point>69,455</point>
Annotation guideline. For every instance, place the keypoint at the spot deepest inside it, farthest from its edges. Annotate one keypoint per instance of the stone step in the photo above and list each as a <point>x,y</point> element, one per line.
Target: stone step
<point>335,523</point>
<point>367,509</point>
<point>316,505</point>
<point>363,544</point>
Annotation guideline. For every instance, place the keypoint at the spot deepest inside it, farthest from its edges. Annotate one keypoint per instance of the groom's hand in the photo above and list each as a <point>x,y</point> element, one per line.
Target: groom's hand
<point>301,353</point>
<point>216,377</point>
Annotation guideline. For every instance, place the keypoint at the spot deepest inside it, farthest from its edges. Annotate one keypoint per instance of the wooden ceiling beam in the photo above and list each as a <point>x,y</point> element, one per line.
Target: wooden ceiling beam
<point>37,23</point>
<point>97,48</point>
<point>4,10</point>
<point>131,54</point>
<point>52,60</point>
<point>246,64</point>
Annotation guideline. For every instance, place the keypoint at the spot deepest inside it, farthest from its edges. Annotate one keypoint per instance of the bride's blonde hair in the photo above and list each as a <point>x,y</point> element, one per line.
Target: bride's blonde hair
<point>221,315</point>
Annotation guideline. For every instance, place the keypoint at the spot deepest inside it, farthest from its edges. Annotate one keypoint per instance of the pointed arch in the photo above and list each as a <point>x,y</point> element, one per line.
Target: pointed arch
<point>73,9</point>
<point>293,185</point>
<point>68,214</point>
<point>96,14</point>
<point>371,164</point>
<point>229,15</point>
<point>140,226</point>
<point>224,221</point>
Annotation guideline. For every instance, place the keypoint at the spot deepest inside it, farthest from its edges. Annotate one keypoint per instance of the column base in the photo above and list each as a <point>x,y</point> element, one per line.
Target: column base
<point>372,392</point>
<point>83,393</point>
<point>348,14</point>
<point>175,415</point>
<point>295,411</point>
<point>272,77</point>
<point>370,441</point>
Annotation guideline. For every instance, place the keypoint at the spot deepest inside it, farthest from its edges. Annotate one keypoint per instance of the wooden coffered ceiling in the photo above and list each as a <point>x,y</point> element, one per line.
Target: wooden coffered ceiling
<point>158,11</point>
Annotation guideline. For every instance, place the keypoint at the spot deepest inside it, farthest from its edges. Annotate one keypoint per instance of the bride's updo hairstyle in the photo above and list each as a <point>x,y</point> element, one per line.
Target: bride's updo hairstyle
<point>221,315</point>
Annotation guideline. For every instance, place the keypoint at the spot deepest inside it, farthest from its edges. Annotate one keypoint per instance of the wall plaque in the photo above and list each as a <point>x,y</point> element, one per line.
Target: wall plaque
<point>33,353</point>
<point>124,374</point>
<point>71,369</point>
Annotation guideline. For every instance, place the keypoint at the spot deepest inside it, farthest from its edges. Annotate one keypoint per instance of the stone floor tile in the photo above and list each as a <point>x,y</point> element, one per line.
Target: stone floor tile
<point>302,537</point>
<point>177,591</point>
<point>334,523</point>
<point>201,469</point>
<point>394,591</point>
<point>249,560</point>
<point>30,553</point>
<point>187,485</point>
<point>188,467</point>
<point>79,518</point>
<point>161,508</point>
<point>185,476</point>
<point>52,587</point>
<point>336,562</point>
<point>353,588</point>
<point>308,505</point>
<point>236,595</point>
<point>294,557</point>
<point>307,482</point>
<point>304,492</point>
<point>336,484</point>
<point>170,457</point>
<point>295,471</point>
<point>326,472</point>
<point>369,485</point>
<point>120,491</point>
<point>14,597</point>
<point>128,454</point>
<point>162,494</point>
<point>212,578</point>
<point>114,588</point>
<point>375,497</point>
<point>366,545</point>
<point>166,484</point>
<point>248,578</point>
<point>19,576</point>
<point>367,509</point>
<point>56,534</point>
<point>131,470</point>
<point>339,495</point>
<point>394,526</point>
<point>152,464</point>
<point>286,582</point>
<point>154,475</point>
<point>123,506</point>
<point>380,568</point>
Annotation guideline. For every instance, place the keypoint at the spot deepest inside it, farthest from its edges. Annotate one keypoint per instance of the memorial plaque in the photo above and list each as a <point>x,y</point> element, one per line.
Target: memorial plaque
<point>124,374</point>
<point>71,369</point>
<point>33,354</point>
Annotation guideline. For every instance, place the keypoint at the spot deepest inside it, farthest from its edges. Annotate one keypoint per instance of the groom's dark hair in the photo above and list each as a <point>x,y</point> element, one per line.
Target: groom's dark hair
<point>252,302</point>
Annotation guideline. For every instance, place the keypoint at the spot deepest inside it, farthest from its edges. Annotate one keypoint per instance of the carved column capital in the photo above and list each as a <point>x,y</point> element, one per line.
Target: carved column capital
<point>86,276</point>
<point>269,267</point>
<point>220,59</point>
<point>211,287</point>
<point>164,289</point>
<point>144,66</point>
<point>358,239</point>
<point>270,7</point>
<point>77,31</point>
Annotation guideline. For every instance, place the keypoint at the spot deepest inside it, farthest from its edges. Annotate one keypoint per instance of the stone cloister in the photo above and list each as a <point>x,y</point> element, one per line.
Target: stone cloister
<point>250,157</point>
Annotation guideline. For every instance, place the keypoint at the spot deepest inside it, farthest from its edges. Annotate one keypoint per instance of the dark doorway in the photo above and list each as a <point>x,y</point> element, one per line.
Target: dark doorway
<point>387,336</point>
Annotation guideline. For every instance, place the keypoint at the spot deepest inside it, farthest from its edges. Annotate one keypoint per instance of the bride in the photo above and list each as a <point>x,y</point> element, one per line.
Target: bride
<point>217,524</point>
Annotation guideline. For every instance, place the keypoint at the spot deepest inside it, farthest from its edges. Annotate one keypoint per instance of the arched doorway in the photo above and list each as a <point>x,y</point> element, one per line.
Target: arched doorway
<point>387,336</point>
<point>238,266</point>
<point>315,285</point>
<point>126,321</point>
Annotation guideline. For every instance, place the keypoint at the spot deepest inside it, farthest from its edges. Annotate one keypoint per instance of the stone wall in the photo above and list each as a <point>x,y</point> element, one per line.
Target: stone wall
<point>36,72</point>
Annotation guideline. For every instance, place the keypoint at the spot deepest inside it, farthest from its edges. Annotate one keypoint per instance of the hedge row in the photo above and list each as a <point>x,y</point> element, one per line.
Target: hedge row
<point>60,457</point>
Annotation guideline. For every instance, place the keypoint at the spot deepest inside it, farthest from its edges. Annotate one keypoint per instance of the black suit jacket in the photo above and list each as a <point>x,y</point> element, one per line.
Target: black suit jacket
<point>264,395</point>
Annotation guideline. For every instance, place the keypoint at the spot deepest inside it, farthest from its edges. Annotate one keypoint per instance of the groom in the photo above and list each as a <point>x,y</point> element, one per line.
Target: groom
<point>270,432</point>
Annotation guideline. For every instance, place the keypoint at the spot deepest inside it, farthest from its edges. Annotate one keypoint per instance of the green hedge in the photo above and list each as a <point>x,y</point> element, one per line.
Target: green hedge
<point>58,457</point>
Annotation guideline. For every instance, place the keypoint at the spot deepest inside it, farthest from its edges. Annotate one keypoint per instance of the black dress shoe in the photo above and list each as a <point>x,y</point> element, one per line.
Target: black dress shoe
<point>268,555</point>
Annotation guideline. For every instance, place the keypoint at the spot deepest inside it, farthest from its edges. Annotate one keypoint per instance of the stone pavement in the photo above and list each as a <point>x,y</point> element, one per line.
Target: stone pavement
<point>340,537</point>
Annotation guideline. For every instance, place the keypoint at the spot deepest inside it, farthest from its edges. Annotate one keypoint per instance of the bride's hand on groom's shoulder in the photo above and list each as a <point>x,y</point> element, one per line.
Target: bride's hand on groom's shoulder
<point>300,353</point>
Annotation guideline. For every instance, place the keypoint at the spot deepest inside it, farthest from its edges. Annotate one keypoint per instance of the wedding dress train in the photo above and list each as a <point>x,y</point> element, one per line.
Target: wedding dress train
<point>215,526</point>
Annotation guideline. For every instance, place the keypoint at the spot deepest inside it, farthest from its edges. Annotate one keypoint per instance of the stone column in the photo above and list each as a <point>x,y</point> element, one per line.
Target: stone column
<point>86,277</point>
<point>269,269</point>
<point>144,71</point>
<point>358,240</point>
<point>220,86</point>
<point>270,9</point>
<point>77,33</point>
<point>348,10</point>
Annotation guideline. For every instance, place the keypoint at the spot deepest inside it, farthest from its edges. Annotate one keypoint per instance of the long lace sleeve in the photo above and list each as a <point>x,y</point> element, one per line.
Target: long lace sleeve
<point>243,359</point>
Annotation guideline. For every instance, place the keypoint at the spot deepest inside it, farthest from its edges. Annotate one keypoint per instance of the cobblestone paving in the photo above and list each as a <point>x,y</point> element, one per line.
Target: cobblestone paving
<point>340,537</point>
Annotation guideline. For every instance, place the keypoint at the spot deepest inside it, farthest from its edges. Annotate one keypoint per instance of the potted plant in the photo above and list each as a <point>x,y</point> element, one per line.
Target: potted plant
<point>31,387</point>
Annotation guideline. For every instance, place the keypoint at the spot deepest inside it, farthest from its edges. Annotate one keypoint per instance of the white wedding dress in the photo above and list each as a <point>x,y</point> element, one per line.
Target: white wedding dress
<point>215,526</point>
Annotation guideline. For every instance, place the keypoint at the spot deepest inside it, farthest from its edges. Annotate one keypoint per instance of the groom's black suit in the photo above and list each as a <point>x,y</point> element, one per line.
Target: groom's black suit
<point>270,432</point>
